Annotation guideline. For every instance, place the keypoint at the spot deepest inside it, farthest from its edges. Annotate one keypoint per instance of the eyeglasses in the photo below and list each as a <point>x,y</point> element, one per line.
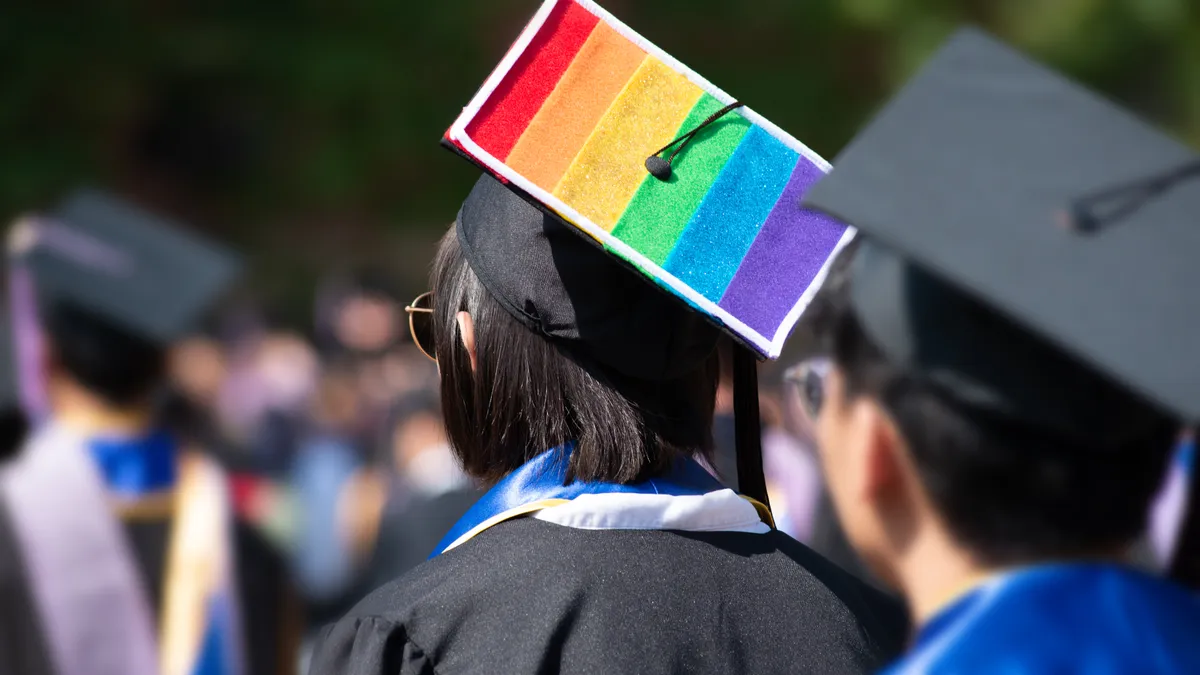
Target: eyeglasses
<point>420,323</point>
<point>809,380</point>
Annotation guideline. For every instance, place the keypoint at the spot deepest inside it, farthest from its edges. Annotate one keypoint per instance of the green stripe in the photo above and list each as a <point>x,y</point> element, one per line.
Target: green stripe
<point>659,211</point>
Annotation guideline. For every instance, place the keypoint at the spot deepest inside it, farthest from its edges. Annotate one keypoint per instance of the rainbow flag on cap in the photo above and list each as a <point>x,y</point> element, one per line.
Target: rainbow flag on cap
<point>570,117</point>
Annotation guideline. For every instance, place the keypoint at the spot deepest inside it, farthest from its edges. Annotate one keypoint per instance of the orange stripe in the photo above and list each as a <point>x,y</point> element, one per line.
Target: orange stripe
<point>589,86</point>
<point>525,87</point>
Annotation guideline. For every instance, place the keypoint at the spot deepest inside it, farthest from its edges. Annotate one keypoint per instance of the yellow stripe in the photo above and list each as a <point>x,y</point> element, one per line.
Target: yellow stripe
<point>592,82</point>
<point>606,174</point>
<point>154,506</point>
<point>193,569</point>
<point>522,510</point>
<point>763,511</point>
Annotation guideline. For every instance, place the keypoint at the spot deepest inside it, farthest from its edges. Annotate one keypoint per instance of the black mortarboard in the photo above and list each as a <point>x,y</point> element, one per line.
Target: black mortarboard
<point>137,270</point>
<point>1031,246</point>
<point>565,287</point>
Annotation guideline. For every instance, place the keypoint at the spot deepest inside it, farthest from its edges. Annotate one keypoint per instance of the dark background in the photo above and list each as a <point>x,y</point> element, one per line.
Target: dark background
<point>307,132</point>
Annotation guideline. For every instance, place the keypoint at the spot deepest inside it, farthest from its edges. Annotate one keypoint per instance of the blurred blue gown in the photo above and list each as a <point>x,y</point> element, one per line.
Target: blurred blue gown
<point>1073,618</point>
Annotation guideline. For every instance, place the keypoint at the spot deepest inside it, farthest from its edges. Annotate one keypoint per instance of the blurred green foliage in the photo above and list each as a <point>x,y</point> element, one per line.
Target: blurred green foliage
<point>274,120</point>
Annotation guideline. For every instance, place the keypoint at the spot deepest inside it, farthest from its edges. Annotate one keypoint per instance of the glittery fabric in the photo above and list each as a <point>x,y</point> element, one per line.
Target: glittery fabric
<point>583,106</point>
<point>606,174</point>
<point>720,233</point>
<point>785,258</point>
<point>660,210</point>
<point>589,86</point>
<point>511,107</point>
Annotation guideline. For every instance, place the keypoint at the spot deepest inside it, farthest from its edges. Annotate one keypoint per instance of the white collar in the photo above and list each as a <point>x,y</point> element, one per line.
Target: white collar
<point>717,511</point>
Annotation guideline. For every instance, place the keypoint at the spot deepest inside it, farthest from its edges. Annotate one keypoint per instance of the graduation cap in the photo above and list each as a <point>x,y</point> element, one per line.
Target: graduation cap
<point>141,272</point>
<point>1030,247</point>
<point>103,256</point>
<point>686,187</point>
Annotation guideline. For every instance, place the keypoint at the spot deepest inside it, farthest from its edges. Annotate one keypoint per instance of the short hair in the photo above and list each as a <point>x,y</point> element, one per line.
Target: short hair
<point>1008,492</point>
<point>529,394</point>
<point>110,362</point>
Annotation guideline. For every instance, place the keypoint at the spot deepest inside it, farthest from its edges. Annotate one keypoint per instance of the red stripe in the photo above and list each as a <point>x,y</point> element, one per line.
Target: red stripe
<point>508,111</point>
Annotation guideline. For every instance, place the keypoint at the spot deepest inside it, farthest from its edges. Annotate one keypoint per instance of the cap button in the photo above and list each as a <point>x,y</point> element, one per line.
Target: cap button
<point>659,168</point>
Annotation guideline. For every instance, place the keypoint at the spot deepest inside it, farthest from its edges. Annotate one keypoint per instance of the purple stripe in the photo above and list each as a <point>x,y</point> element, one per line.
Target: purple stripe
<point>1170,506</point>
<point>82,249</point>
<point>785,258</point>
<point>27,343</point>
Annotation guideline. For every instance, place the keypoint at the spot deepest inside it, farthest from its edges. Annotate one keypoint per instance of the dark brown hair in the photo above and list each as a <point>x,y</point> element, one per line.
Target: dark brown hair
<point>113,363</point>
<point>529,394</point>
<point>1011,493</point>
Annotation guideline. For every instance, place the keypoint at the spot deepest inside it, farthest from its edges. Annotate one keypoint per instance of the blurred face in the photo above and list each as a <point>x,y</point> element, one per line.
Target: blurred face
<point>420,433</point>
<point>368,323</point>
<point>858,447</point>
<point>197,367</point>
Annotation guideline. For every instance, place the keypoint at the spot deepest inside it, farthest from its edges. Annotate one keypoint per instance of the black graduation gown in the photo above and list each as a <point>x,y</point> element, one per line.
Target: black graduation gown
<point>528,596</point>
<point>407,536</point>
<point>262,587</point>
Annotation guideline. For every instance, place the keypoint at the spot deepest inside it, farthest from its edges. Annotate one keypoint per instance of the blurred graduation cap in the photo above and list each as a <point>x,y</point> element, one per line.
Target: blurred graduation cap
<point>97,254</point>
<point>1031,248</point>
<point>639,157</point>
<point>141,272</point>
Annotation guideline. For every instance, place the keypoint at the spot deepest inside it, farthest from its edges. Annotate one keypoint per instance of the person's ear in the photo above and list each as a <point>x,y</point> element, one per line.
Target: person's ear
<point>881,452</point>
<point>466,332</point>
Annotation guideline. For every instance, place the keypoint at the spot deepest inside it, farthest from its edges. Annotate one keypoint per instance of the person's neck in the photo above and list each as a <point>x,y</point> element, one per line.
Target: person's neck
<point>934,573</point>
<point>937,571</point>
<point>88,414</point>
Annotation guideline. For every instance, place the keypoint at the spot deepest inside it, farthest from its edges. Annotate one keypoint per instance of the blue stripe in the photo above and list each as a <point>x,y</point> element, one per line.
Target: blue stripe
<point>545,477</point>
<point>1185,455</point>
<point>217,655</point>
<point>719,235</point>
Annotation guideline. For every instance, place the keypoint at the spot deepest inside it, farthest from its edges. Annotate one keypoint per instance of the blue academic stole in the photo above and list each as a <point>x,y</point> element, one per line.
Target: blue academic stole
<point>1062,618</point>
<point>141,468</point>
<point>544,479</point>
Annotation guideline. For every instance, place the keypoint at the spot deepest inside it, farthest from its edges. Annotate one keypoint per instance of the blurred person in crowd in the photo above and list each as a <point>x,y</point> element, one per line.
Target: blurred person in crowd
<point>119,553</point>
<point>359,323</point>
<point>802,475</point>
<point>793,479</point>
<point>199,375</point>
<point>328,461</point>
<point>358,314</point>
<point>1001,407</point>
<point>793,476</point>
<point>197,371</point>
<point>368,523</point>
<point>429,491</point>
<point>599,522</point>
<point>263,398</point>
